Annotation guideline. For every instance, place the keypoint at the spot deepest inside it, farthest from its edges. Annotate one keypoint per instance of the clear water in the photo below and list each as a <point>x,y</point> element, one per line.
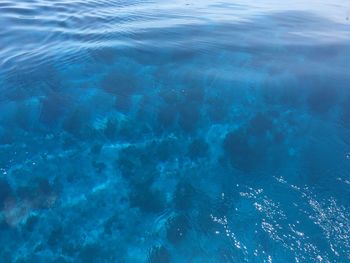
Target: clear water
<point>181,131</point>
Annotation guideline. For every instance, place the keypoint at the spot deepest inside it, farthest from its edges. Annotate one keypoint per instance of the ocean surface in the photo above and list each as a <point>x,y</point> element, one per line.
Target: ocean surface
<point>174,131</point>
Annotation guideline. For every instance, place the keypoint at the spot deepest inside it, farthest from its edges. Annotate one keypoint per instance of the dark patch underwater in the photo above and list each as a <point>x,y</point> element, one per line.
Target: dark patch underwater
<point>139,131</point>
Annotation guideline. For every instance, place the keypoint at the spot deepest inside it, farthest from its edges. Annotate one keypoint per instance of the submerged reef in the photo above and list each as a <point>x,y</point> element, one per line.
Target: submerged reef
<point>198,148</point>
<point>184,196</point>
<point>147,200</point>
<point>177,228</point>
<point>174,142</point>
<point>5,192</point>
<point>159,254</point>
<point>241,152</point>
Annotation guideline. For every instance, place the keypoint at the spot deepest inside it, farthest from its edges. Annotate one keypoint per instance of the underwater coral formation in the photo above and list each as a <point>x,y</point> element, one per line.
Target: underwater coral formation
<point>174,142</point>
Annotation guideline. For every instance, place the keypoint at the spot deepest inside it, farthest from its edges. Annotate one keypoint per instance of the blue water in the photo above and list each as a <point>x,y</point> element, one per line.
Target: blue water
<point>174,131</point>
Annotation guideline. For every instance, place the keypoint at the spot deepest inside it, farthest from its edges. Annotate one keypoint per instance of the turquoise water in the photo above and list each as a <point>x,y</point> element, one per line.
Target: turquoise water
<point>182,131</point>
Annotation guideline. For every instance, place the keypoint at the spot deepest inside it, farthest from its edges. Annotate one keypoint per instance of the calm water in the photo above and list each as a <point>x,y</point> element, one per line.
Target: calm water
<point>187,131</point>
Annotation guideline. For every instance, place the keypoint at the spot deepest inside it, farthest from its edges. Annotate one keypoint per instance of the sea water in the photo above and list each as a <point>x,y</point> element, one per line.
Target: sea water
<point>174,131</point>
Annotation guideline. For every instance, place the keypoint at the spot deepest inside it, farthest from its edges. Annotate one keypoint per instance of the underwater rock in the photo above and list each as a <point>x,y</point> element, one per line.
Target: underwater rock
<point>217,109</point>
<point>131,131</point>
<point>159,254</point>
<point>77,122</point>
<point>56,236</point>
<point>240,152</point>
<point>136,165</point>
<point>198,149</point>
<point>148,200</point>
<point>260,124</point>
<point>27,192</point>
<point>111,129</point>
<point>183,196</point>
<point>166,149</point>
<point>90,253</point>
<point>43,185</point>
<point>111,223</point>
<point>177,228</point>
<point>31,222</point>
<point>167,116</point>
<point>4,226</point>
<point>189,116</point>
<point>40,193</point>
<point>5,192</point>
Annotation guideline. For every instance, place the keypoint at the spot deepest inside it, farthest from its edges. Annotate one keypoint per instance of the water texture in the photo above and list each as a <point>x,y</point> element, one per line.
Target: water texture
<point>181,131</point>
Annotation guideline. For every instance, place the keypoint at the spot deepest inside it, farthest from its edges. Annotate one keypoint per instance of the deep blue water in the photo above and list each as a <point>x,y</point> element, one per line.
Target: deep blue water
<point>181,131</point>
